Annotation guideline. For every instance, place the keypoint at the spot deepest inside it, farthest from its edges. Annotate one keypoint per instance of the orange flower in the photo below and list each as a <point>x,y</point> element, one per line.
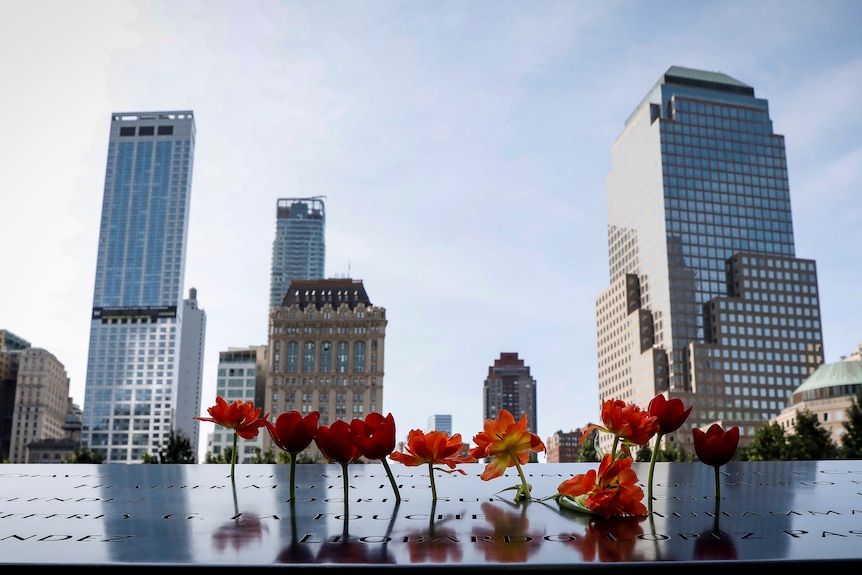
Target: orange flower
<point>435,447</point>
<point>626,422</point>
<point>613,491</point>
<point>241,416</point>
<point>507,441</point>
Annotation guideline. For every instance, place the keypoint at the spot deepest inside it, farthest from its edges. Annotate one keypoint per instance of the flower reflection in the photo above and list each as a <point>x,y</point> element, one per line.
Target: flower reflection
<point>243,529</point>
<point>609,540</point>
<point>239,532</point>
<point>437,544</point>
<point>714,545</point>
<point>509,540</point>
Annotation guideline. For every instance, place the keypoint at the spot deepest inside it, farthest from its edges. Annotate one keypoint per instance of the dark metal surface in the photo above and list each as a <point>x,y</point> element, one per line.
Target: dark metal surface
<point>192,516</point>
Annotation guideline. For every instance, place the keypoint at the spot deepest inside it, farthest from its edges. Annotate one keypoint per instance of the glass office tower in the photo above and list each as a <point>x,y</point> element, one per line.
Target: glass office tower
<point>299,247</point>
<point>707,300</point>
<point>135,333</point>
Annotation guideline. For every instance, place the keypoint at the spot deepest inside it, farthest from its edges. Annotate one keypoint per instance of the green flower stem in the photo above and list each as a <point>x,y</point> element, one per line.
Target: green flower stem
<point>614,448</point>
<point>524,493</point>
<point>717,487</point>
<point>233,456</point>
<point>293,476</point>
<point>433,487</point>
<point>391,480</point>
<point>651,468</point>
<point>344,476</point>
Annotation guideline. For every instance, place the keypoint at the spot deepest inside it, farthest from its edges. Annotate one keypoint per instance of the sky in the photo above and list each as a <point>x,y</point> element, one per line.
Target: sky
<point>462,148</point>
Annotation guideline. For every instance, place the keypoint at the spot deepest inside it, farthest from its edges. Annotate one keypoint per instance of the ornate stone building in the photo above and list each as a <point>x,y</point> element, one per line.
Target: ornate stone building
<point>325,353</point>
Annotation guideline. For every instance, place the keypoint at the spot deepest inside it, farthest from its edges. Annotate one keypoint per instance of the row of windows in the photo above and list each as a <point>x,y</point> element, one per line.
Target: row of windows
<point>323,381</point>
<point>126,131</point>
<point>699,108</point>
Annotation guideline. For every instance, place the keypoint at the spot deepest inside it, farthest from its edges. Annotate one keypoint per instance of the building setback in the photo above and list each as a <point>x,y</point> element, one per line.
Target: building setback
<point>299,247</point>
<point>133,367</point>
<point>325,353</point>
<point>707,299</point>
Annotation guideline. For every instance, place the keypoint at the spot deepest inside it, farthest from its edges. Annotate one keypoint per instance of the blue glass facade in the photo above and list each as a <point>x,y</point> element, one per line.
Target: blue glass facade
<point>299,247</point>
<point>698,180</point>
<point>132,369</point>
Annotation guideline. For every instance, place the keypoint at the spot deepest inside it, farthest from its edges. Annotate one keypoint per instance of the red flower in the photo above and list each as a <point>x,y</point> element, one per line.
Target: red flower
<point>507,442</point>
<point>610,492</point>
<point>433,448</point>
<point>336,443</point>
<point>375,436</point>
<point>669,414</point>
<point>715,446</point>
<point>240,416</point>
<point>626,421</point>
<point>292,432</point>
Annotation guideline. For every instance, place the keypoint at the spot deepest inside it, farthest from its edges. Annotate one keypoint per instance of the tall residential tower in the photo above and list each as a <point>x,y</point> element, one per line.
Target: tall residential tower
<point>707,299</point>
<point>299,247</point>
<point>133,369</point>
<point>510,386</point>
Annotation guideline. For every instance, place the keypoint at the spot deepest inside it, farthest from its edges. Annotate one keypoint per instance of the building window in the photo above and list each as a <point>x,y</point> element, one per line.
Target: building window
<point>359,356</point>
<point>342,357</point>
<point>308,357</point>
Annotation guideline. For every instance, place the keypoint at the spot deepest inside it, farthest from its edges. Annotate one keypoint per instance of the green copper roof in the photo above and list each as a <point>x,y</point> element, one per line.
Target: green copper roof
<point>833,374</point>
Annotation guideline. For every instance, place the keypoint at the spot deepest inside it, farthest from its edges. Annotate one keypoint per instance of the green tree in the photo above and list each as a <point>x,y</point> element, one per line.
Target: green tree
<point>84,455</point>
<point>769,444</point>
<point>645,454</point>
<point>670,453</point>
<point>177,449</point>
<point>588,449</point>
<point>851,441</point>
<point>265,457</point>
<point>220,458</point>
<point>810,441</point>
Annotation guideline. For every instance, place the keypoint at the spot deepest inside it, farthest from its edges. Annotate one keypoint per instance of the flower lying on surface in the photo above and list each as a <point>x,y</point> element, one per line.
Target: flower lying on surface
<point>509,444</point>
<point>433,448</point>
<point>241,416</point>
<point>375,438</point>
<point>613,490</point>
<point>670,415</point>
<point>292,432</point>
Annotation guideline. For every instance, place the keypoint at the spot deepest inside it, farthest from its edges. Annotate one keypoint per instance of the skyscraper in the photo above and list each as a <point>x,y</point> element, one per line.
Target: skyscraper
<point>299,247</point>
<point>510,386</point>
<point>191,367</point>
<point>136,328</point>
<point>440,422</point>
<point>707,299</point>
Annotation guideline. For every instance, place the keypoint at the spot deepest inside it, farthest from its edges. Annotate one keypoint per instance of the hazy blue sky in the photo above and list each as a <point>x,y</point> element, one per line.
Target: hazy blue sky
<point>462,147</point>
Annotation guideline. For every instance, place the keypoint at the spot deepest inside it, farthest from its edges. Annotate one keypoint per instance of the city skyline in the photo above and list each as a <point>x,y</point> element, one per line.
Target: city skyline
<point>462,147</point>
